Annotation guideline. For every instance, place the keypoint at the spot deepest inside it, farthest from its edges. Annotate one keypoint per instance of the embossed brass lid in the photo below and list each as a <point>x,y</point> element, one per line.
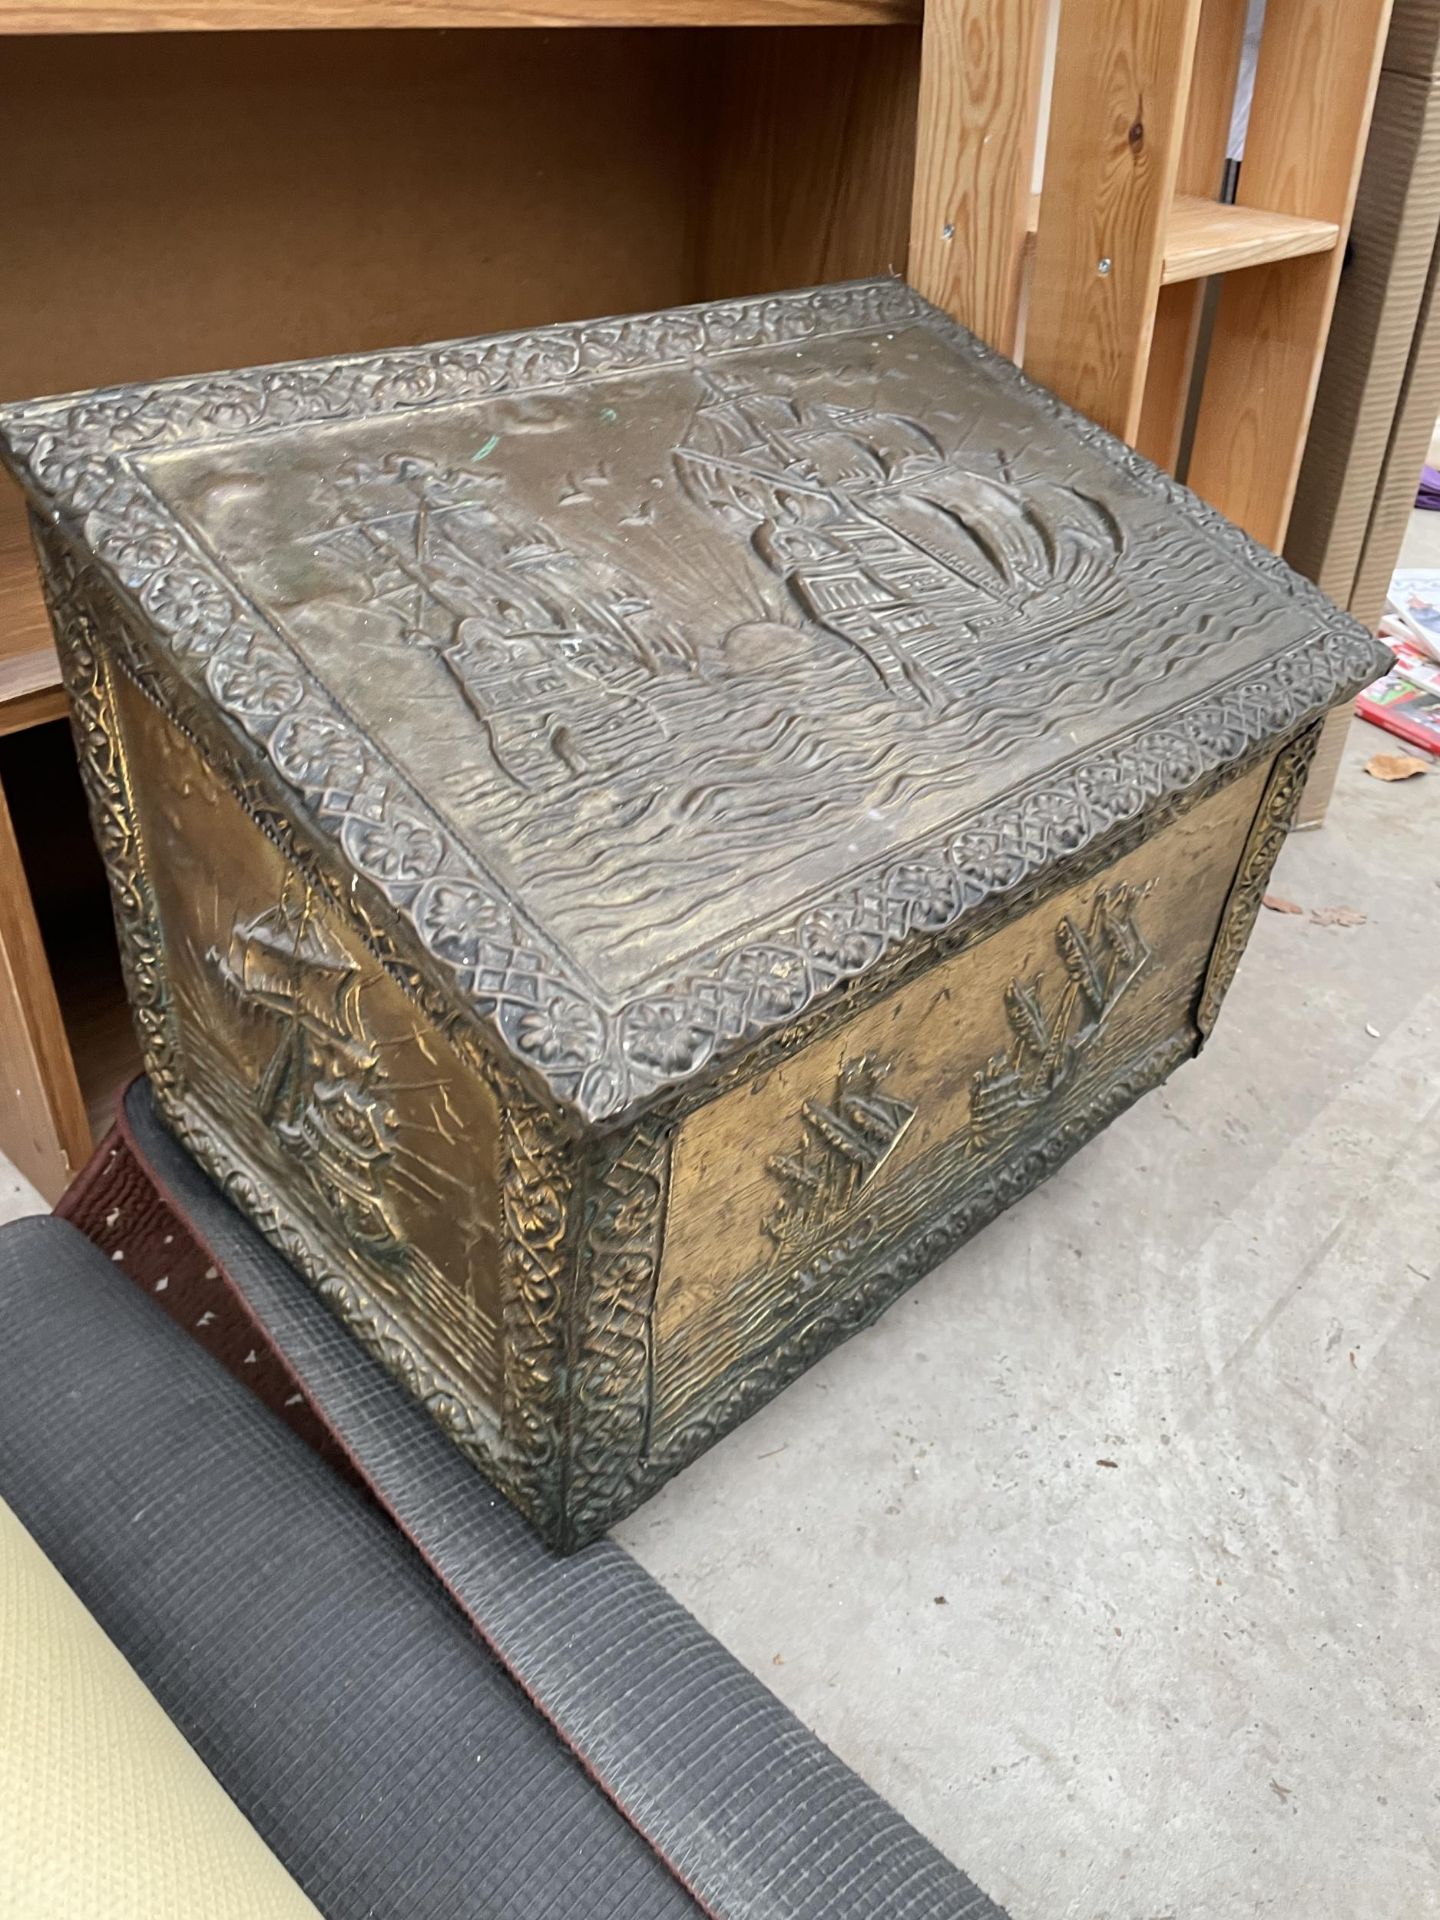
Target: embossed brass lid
<point>665,673</point>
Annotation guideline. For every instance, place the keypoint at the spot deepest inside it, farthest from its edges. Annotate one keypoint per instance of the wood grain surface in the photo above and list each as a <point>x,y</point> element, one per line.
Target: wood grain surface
<point>43,1125</point>
<point>1122,73</point>
<point>1220,37</point>
<point>213,204</point>
<point>805,182</point>
<point>104,16</point>
<point>1314,88</point>
<point>29,671</point>
<point>30,690</point>
<point>975,149</point>
<point>1203,237</point>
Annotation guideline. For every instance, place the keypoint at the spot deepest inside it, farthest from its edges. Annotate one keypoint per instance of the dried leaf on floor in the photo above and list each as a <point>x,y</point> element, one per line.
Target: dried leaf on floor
<point>1338,917</point>
<point>1395,766</point>
<point>1277,903</point>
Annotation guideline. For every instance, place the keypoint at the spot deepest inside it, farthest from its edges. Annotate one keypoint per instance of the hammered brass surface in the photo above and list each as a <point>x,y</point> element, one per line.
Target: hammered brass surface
<point>676,642</point>
<point>322,1077</point>
<point>932,1084</point>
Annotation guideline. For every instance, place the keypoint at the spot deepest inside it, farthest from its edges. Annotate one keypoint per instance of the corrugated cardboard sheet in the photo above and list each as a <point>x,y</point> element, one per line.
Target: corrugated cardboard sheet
<point>1379,391</point>
<point>1413,43</point>
<point>1377,308</point>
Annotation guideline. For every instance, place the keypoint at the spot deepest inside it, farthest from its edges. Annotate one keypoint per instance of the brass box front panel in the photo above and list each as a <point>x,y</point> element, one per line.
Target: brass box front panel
<point>324,1084</point>
<point>783,1188</point>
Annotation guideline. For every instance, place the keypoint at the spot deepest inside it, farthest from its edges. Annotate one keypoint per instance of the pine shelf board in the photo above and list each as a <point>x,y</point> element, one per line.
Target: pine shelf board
<point>1203,237</point>
<point>192,16</point>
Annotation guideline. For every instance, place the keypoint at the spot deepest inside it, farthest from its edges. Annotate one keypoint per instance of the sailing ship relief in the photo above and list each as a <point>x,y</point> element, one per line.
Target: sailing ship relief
<point>556,655</point>
<point>575,674</point>
<point>796,626</point>
<point>846,1143</point>
<point>318,1091</point>
<point>886,543</point>
<point>1102,961</point>
<point>848,1139</point>
<point>321,1097</point>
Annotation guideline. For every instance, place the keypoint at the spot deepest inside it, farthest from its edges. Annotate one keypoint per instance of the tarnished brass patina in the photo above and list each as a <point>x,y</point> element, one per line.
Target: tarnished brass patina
<point>631,841</point>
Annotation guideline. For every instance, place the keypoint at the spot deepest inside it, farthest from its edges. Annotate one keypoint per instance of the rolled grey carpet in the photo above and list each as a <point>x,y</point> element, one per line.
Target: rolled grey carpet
<point>757,1818</point>
<point>321,1673</point>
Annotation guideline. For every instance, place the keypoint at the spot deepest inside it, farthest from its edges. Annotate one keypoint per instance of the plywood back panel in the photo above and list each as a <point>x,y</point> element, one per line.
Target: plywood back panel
<point>175,204</point>
<point>810,141</point>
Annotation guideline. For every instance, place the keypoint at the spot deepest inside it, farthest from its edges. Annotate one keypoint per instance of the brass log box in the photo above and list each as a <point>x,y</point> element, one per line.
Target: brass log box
<point>633,840</point>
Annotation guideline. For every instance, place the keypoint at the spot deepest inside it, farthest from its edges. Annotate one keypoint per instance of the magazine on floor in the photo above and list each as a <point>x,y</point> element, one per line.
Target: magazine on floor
<point>1406,701</point>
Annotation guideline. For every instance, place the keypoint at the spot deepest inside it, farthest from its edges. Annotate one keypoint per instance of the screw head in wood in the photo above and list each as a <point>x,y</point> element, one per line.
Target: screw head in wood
<point>1103,266</point>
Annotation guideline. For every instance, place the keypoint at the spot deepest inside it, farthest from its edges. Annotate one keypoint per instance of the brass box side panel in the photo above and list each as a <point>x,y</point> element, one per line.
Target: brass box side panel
<point>315,1074</point>
<point>784,1187</point>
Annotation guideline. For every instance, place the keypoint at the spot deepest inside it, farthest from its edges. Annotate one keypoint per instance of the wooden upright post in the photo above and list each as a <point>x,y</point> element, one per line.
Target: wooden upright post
<point>1117,119</point>
<point>43,1127</point>
<point>1219,41</point>
<point>975,149</point>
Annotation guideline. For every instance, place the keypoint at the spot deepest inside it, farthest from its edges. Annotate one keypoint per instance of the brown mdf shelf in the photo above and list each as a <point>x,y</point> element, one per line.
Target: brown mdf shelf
<point>1204,237</point>
<point>103,16</point>
<point>30,689</point>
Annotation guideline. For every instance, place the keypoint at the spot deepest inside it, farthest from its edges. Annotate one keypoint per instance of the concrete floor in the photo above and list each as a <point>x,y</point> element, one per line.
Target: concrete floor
<point>1204,1680</point>
<point>17,1196</point>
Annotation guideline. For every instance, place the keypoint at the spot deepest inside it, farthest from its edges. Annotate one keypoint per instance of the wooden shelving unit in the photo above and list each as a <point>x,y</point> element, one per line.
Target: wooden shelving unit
<point>1203,238</point>
<point>1129,228</point>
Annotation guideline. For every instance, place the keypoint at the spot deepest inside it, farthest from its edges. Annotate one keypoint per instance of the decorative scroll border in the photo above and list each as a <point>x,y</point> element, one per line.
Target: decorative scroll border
<point>1272,822</point>
<point>76,457</point>
<point>612,1378</point>
<point>539,1208</point>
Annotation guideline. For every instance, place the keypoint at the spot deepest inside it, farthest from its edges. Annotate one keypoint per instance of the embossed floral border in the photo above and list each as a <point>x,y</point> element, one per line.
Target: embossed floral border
<point>76,457</point>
